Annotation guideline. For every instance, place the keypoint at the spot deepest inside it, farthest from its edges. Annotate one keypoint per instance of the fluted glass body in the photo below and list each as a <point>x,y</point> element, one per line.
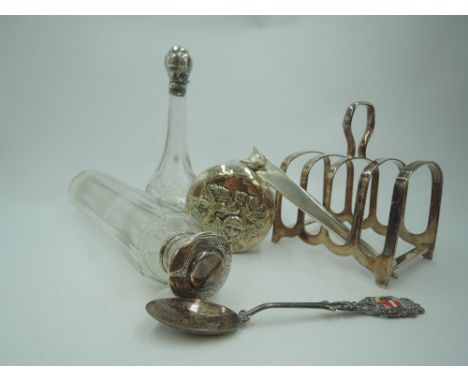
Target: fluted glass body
<point>131,217</point>
<point>174,175</point>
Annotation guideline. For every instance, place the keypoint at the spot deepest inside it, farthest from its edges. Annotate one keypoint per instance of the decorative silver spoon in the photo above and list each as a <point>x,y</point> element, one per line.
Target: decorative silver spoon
<point>206,318</point>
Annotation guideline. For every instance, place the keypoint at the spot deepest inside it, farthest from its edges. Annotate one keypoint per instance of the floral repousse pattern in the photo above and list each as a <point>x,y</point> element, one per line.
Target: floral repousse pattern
<point>237,215</point>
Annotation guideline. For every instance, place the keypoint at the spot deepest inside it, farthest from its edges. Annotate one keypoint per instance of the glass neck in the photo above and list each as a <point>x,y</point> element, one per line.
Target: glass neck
<point>175,149</point>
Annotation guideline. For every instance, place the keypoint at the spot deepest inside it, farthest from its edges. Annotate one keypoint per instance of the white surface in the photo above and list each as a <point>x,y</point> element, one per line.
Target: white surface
<point>91,93</point>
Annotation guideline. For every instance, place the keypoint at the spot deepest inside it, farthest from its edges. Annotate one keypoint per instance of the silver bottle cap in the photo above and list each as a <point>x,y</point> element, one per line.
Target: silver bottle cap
<point>178,65</point>
<point>200,265</point>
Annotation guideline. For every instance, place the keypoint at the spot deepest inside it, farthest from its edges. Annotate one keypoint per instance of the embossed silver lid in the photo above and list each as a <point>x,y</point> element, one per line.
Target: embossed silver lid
<point>178,65</point>
<point>232,200</point>
<point>197,264</point>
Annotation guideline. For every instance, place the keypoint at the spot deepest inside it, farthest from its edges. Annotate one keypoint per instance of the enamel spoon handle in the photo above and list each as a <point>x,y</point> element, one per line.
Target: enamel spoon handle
<point>385,306</point>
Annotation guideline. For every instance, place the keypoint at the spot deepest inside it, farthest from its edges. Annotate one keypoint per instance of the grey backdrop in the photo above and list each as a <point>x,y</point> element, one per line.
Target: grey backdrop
<point>91,93</point>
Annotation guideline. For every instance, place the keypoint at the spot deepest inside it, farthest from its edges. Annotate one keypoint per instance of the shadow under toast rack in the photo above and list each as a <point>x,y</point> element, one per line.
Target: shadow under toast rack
<point>383,264</point>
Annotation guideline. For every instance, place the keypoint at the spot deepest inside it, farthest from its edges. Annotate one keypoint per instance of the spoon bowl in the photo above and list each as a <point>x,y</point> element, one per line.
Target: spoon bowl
<point>194,315</point>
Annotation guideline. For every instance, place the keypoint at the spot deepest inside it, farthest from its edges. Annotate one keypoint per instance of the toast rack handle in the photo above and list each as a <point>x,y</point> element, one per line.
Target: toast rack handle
<point>370,124</point>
